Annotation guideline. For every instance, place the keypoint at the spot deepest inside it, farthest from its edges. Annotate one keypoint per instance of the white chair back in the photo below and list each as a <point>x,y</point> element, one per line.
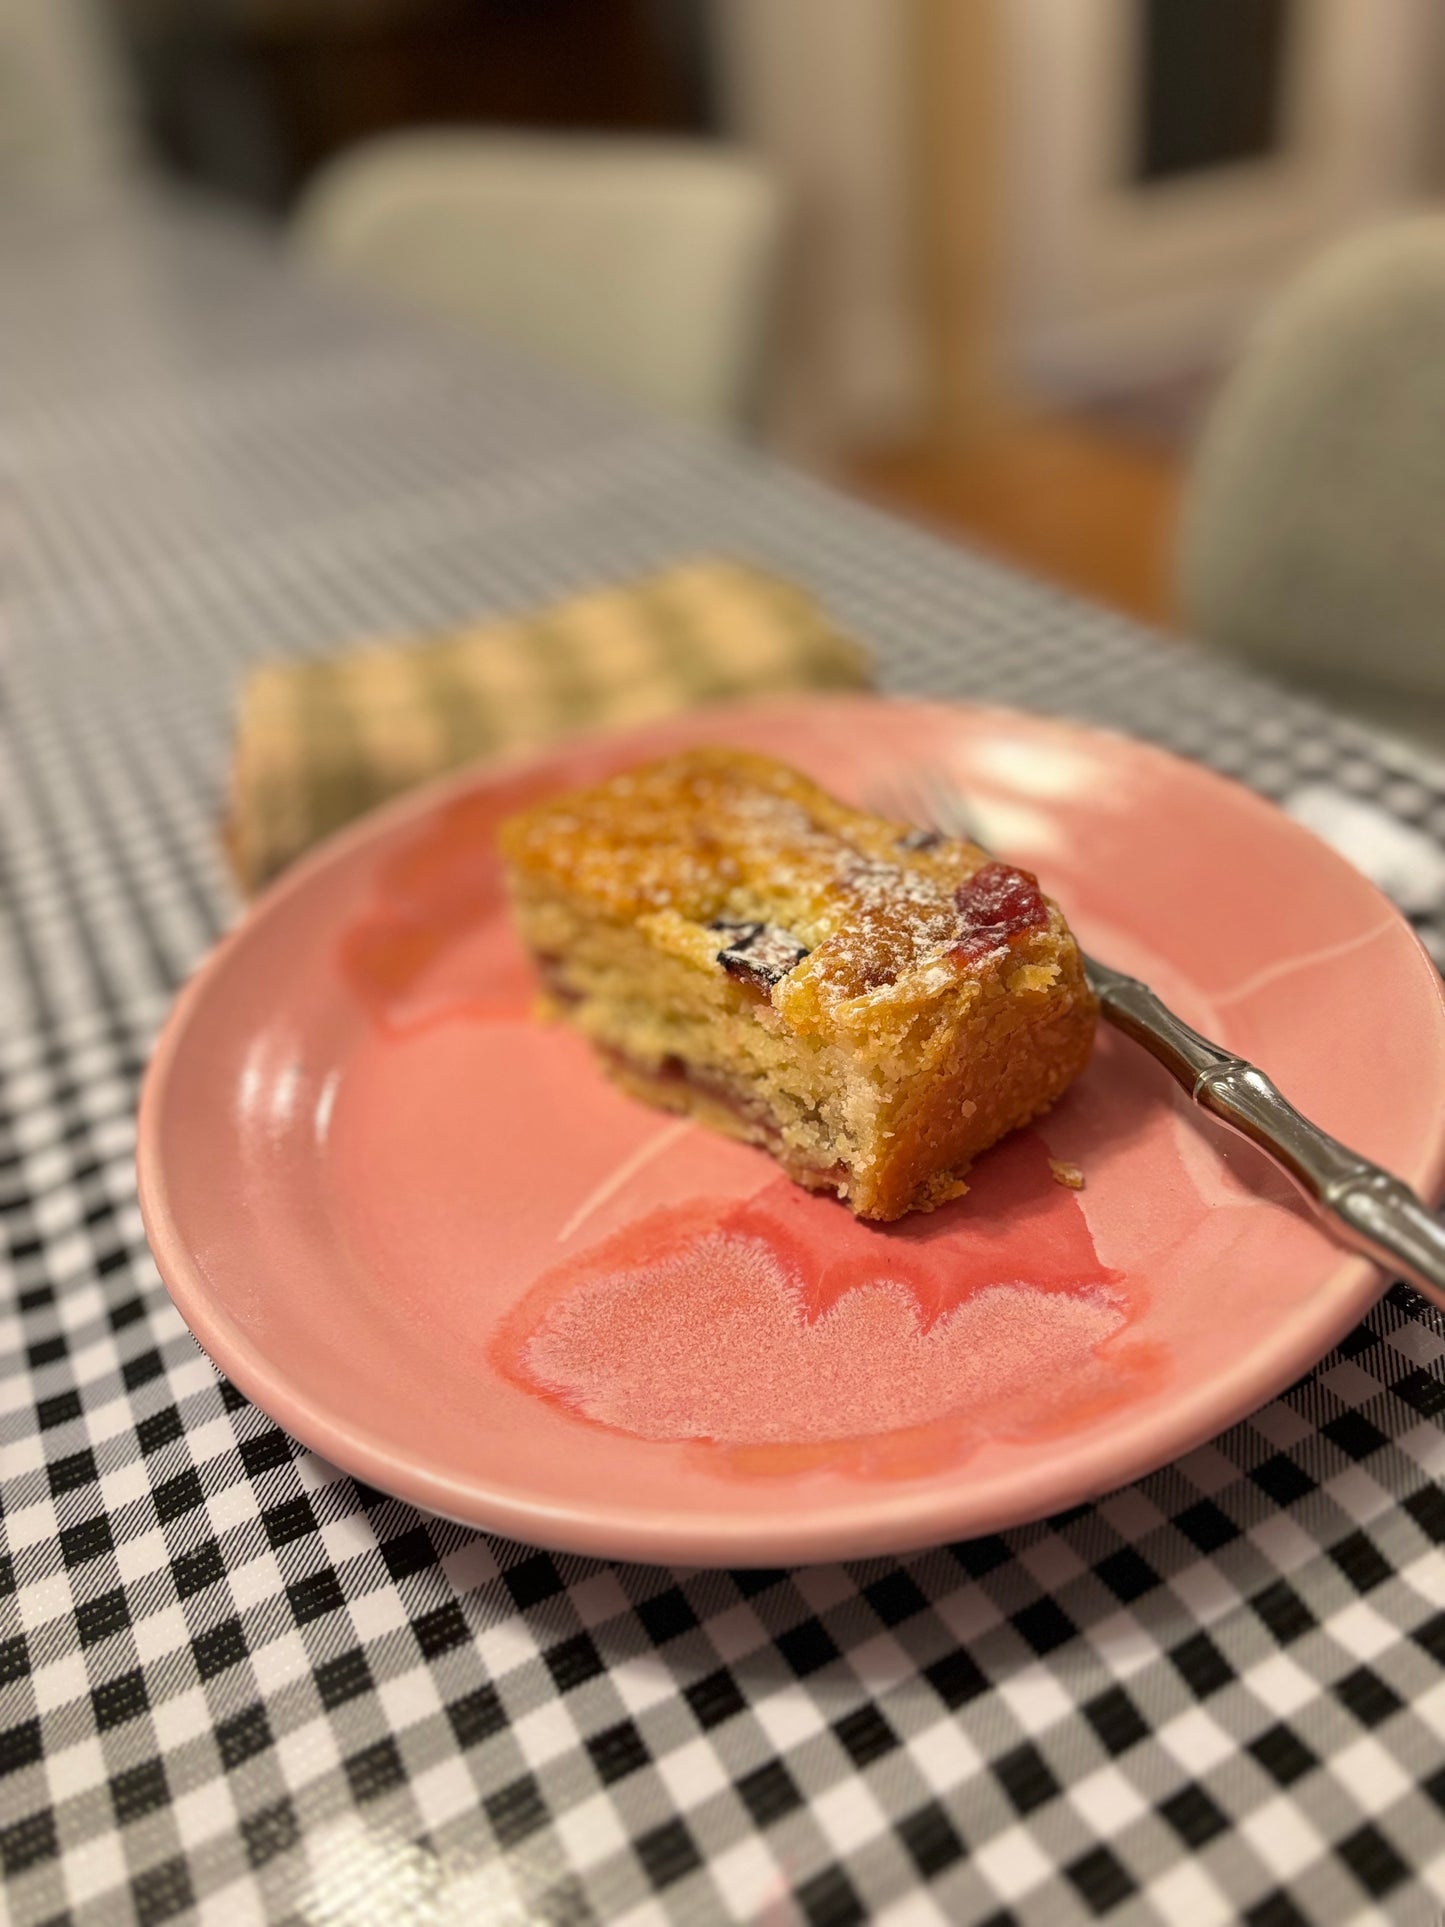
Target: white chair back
<point>644,265</point>
<point>1314,529</point>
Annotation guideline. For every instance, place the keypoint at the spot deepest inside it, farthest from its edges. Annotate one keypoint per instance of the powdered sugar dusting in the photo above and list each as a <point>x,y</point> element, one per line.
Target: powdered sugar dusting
<point>726,835</point>
<point>901,918</point>
<point>713,1342</point>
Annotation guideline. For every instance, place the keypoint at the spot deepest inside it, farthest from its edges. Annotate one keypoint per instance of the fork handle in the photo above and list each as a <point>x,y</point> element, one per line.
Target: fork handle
<point>1366,1207</point>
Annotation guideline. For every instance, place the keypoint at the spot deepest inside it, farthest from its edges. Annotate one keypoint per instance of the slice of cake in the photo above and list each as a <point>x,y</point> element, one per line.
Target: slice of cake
<point>874,1004</point>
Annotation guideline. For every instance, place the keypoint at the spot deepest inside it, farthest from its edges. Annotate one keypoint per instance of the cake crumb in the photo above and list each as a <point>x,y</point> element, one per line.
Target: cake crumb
<point>1068,1175</point>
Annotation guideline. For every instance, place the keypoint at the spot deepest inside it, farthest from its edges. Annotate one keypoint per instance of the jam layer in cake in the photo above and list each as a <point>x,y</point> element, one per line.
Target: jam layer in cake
<point>875,1005</point>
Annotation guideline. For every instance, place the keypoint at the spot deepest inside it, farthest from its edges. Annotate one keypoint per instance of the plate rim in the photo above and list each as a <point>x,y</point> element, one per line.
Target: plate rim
<point>882,1522</point>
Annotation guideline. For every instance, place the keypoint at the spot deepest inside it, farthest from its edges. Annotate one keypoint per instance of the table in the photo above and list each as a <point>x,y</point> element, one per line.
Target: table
<point>236,1686</point>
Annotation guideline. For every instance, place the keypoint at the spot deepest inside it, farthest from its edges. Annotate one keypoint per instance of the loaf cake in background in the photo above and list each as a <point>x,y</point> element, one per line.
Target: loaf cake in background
<point>319,742</point>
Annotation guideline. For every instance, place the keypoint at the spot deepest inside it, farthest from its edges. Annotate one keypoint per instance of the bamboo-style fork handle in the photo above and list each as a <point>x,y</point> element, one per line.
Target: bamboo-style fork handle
<point>1362,1205</point>
<point>1365,1207</point>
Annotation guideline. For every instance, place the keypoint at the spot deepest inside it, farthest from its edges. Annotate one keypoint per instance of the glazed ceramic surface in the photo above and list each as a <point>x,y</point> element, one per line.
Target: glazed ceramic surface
<point>422,1231</point>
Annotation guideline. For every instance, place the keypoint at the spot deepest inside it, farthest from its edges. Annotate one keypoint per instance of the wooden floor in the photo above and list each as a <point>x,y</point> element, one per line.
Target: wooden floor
<point>1093,510</point>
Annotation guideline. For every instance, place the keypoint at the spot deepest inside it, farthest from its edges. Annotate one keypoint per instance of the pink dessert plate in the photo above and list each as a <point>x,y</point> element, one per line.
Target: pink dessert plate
<point>424,1233</point>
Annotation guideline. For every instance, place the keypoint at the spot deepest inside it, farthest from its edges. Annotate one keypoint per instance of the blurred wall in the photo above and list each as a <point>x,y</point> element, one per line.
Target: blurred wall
<point>1109,281</point>
<point>1432,156</point>
<point>66,118</point>
<point>956,229</point>
<point>822,90</point>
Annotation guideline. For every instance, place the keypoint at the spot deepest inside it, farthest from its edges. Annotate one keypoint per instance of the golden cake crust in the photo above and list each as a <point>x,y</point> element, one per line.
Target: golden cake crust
<point>721,834</point>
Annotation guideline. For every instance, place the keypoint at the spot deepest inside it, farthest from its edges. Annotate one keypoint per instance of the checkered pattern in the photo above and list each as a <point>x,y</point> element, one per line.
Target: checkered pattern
<point>237,1686</point>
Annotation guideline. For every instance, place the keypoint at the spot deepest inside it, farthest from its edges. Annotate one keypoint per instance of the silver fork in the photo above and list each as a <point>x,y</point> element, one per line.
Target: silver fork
<point>1364,1207</point>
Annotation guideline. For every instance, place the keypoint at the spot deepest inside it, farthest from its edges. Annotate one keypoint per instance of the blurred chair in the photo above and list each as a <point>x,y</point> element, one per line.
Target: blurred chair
<point>647,266</point>
<point>1313,538</point>
<point>66,120</point>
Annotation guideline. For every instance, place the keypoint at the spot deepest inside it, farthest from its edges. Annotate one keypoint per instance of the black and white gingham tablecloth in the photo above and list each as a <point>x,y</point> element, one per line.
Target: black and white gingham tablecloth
<point>238,1687</point>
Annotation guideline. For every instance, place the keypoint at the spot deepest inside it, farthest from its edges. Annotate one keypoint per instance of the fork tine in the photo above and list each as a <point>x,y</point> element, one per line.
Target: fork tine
<point>948,809</point>
<point>884,796</point>
<point>896,795</point>
<point>923,796</point>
